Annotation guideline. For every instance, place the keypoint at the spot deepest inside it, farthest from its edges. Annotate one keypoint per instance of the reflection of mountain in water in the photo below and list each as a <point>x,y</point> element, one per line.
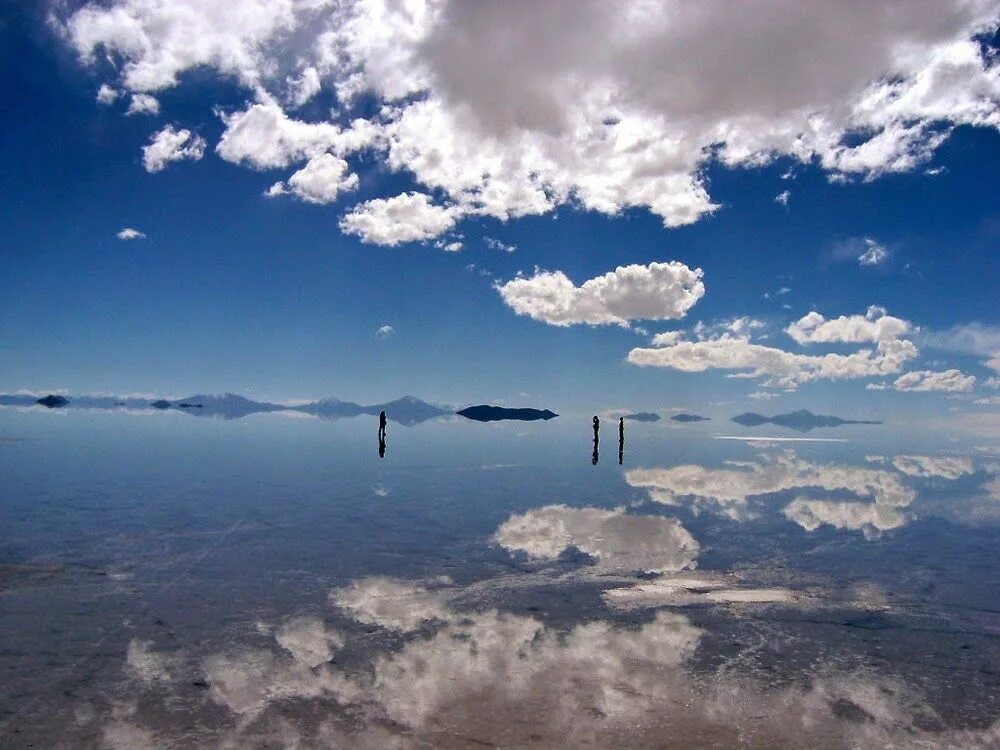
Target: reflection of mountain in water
<point>643,416</point>
<point>406,411</point>
<point>486,413</point>
<point>802,420</point>
<point>688,418</point>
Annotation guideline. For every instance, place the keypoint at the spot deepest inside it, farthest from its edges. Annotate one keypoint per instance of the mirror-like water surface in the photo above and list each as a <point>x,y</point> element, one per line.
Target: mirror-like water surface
<point>168,581</point>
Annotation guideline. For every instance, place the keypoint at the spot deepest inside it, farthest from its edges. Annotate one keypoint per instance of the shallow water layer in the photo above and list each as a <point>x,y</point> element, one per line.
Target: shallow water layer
<point>172,581</point>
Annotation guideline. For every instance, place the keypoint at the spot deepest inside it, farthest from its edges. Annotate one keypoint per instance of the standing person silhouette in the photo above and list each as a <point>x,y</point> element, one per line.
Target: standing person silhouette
<point>597,429</point>
<point>621,439</point>
<point>381,425</point>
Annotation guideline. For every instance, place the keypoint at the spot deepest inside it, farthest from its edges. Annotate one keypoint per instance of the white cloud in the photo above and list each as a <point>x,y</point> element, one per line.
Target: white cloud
<point>106,94</point>
<point>385,331</point>
<point>782,197</point>
<point>763,395</point>
<point>130,234</point>
<point>874,253</point>
<point>143,104</point>
<point>873,327</point>
<point>928,380</point>
<point>659,291</point>
<point>321,180</point>
<point>408,217</point>
<point>605,107</point>
<point>171,145</point>
<point>495,244</point>
<point>616,540</point>
<point>865,251</point>
<point>788,370</point>
<point>264,137</point>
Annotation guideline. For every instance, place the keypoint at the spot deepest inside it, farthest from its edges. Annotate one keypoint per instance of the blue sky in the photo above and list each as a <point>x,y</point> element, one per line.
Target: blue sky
<point>283,296</point>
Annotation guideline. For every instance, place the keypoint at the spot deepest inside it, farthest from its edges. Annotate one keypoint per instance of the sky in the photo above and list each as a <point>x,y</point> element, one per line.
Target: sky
<point>571,205</point>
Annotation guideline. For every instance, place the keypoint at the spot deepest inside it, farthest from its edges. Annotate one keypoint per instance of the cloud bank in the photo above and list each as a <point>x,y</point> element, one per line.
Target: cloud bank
<point>607,107</point>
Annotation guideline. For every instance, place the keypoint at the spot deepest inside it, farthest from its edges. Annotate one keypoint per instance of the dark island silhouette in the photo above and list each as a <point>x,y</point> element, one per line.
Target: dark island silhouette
<point>802,420</point>
<point>53,402</point>
<point>643,416</point>
<point>688,418</point>
<point>487,413</point>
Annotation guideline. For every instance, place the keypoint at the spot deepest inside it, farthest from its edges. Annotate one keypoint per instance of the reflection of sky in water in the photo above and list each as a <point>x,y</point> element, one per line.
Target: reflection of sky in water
<point>267,582</point>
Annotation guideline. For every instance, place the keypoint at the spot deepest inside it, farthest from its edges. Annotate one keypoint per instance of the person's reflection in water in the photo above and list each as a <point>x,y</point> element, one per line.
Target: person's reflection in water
<point>381,445</point>
<point>621,439</point>
<point>597,430</point>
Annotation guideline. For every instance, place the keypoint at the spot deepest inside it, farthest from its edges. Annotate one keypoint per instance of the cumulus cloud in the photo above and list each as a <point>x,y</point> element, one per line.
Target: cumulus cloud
<point>264,137</point>
<point>171,145</point>
<point>605,107</point>
<point>128,233</point>
<point>321,180</point>
<point>928,380</point>
<point>106,94</point>
<point>659,291</point>
<point>408,217</point>
<point>782,197</point>
<point>731,350</point>
<point>873,327</point>
<point>384,332</point>
<point>616,540</point>
<point>143,104</point>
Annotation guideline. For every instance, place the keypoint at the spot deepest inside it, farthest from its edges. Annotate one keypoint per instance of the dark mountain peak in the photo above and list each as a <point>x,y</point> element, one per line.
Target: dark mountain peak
<point>52,401</point>
<point>487,413</point>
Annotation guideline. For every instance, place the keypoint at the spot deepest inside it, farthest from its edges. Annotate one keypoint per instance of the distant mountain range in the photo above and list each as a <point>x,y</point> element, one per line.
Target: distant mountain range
<point>486,413</point>
<point>802,420</point>
<point>688,418</point>
<point>406,411</point>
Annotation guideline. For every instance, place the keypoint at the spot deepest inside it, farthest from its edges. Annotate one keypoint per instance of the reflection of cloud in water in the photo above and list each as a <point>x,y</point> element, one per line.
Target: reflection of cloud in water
<point>501,679</point>
<point>727,490</point>
<point>870,518</point>
<point>685,591</point>
<point>945,467</point>
<point>248,681</point>
<point>616,540</point>
<point>145,663</point>
<point>390,603</point>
